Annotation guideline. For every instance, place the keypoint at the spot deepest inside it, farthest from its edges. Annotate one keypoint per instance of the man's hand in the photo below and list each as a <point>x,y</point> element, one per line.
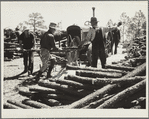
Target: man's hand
<point>18,48</point>
<point>24,50</point>
<point>80,46</point>
<point>55,49</point>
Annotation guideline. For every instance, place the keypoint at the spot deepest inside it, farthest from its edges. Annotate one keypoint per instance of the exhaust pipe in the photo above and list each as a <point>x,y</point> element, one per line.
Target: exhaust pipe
<point>93,8</point>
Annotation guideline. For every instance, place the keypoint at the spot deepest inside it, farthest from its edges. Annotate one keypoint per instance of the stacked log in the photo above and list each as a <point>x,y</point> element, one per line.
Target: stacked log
<point>88,88</point>
<point>136,52</point>
<point>10,51</point>
<point>123,94</point>
<point>19,104</point>
<point>115,89</point>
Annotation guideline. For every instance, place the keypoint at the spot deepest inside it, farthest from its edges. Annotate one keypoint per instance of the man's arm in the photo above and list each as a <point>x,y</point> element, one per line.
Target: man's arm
<point>20,42</point>
<point>87,39</point>
<point>108,29</point>
<point>52,42</point>
<point>33,41</point>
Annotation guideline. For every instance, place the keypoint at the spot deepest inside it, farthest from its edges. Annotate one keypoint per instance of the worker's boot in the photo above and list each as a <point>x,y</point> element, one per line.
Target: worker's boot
<point>50,68</point>
<point>25,69</point>
<point>49,72</point>
<point>38,76</point>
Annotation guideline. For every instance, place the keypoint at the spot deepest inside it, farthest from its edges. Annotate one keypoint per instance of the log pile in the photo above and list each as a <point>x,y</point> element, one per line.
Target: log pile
<point>89,88</point>
<point>10,50</point>
<point>136,52</point>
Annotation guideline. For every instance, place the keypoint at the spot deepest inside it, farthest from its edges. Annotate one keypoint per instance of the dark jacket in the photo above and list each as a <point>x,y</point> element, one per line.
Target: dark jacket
<point>47,41</point>
<point>98,42</point>
<point>116,35</point>
<point>27,43</point>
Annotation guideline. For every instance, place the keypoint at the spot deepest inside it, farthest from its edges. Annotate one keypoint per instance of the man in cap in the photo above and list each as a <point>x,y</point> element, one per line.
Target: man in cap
<point>95,37</point>
<point>47,44</point>
<point>27,42</point>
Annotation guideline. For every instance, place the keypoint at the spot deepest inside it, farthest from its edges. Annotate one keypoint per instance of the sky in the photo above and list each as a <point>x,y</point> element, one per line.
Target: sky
<point>68,12</point>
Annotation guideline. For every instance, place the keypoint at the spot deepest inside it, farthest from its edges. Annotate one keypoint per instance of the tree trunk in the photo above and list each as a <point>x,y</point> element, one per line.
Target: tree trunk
<point>98,74</point>
<point>131,100</point>
<point>99,93</point>
<point>40,89</point>
<point>11,106</point>
<point>120,67</point>
<point>137,72</point>
<point>69,67</point>
<point>51,102</point>
<point>19,104</point>
<point>98,102</point>
<point>63,88</point>
<point>123,94</point>
<point>35,104</point>
<point>104,81</point>
<point>76,84</point>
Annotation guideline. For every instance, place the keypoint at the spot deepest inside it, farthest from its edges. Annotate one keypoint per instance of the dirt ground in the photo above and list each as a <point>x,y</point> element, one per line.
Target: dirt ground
<point>12,68</point>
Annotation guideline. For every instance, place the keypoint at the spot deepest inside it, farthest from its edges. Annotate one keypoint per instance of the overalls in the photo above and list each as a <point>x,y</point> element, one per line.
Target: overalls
<point>98,49</point>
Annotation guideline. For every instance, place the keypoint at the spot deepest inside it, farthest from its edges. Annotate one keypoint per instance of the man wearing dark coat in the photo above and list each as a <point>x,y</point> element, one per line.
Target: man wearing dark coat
<point>27,43</point>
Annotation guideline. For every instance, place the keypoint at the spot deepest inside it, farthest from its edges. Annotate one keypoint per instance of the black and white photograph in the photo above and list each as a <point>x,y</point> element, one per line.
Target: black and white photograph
<point>74,59</point>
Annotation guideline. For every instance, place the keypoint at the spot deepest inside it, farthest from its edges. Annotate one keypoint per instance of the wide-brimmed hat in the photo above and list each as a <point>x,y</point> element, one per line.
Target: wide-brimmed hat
<point>53,25</point>
<point>93,19</point>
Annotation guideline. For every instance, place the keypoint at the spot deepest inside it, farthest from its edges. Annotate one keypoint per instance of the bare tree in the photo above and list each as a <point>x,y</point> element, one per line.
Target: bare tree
<point>125,19</point>
<point>137,24</point>
<point>36,21</point>
<point>110,23</point>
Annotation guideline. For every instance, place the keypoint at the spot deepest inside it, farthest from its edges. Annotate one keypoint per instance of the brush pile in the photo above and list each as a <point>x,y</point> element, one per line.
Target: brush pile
<point>136,52</point>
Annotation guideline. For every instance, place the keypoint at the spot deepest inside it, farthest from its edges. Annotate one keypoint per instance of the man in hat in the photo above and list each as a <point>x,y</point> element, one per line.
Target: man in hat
<point>47,44</point>
<point>27,42</point>
<point>95,37</point>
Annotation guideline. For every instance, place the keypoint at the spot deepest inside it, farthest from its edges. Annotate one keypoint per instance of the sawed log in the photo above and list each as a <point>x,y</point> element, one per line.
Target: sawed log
<point>58,97</point>
<point>76,84</point>
<point>99,93</point>
<point>120,67</point>
<point>98,74</point>
<point>137,72</point>
<point>51,102</point>
<point>61,97</point>
<point>40,89</point>
<point>70,67</point>
<point>104,81</point>
<point>35,104</point>
<point>123,94</point>
<point>19,104</point>
<point>11,106</point>
<point>130,101</point>
<point>97,103</point>
<point>27,93</point>
<point>133,80</point>
<point>69,83</point>
<point>63,88</point>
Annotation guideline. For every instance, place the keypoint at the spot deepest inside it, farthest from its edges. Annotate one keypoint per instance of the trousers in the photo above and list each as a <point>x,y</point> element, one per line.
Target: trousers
<point>47,60</point>
<point>28,60</point>
<point>98,53</point>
